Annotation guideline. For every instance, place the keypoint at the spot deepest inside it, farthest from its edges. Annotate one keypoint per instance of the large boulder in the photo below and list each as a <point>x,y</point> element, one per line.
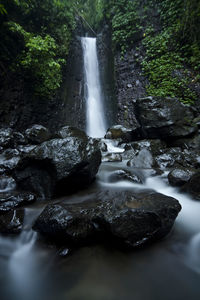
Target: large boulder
<point>59,165</point>
<point>164,118</point>
<point>128,218</point>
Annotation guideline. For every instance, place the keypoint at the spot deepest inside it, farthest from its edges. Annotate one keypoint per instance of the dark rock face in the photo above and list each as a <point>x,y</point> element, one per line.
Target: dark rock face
<point>61,164</point>
<point>12,222</point>
<point>130,85</point>
<point>37,134</point>
<point>178,177</point>
<point>193,186</point>
<point>11,200</point>
<point>131,219</point>
<point>164,118</point>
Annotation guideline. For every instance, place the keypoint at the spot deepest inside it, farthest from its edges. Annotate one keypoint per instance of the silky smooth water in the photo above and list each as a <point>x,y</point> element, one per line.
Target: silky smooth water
<point>95,119</point>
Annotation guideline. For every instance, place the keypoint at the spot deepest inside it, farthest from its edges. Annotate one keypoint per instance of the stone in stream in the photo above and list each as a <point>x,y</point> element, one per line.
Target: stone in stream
<point>59,165</point>
<point>179,177</point>
<point>12,222</point>
<point>112,157</point>
<point>128,218</point>
<point>13,199</point>
<point>120,175</point>
<point>119,132</point>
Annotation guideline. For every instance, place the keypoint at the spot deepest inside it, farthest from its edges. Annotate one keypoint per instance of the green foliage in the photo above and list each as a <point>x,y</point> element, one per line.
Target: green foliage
<point>40,32</point>
<point>169,53</point>
<point>39,60</point>
<point>2,9</point>
<point>125,23</point>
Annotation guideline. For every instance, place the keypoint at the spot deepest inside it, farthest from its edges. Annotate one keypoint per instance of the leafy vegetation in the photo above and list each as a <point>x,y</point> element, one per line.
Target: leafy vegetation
<point>35,37</point>
<point>172,51</point>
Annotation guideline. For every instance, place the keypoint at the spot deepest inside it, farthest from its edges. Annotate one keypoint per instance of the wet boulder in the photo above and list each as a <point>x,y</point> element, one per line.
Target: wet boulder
<point>121,175</point>
<point>11,200</point>
<point>59,166</point>
<point>12,222</point>
<point>179,177</point>
<point>37,134</point>
<point>124,134</point>
<point>67,131</point>
<point>176,158</point>
<point>126,217</point>
<point>165,118</point>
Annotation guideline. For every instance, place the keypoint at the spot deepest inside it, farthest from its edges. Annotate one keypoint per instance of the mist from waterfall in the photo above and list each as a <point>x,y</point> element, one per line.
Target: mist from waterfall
<point>95,117</point>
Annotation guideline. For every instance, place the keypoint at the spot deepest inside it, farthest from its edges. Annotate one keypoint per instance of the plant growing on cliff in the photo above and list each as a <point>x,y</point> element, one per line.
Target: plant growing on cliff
<point>35,37</point>
<point>39,61</point>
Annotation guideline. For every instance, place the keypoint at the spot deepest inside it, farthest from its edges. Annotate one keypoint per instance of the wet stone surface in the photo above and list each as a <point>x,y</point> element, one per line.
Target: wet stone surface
<point>131,219</point>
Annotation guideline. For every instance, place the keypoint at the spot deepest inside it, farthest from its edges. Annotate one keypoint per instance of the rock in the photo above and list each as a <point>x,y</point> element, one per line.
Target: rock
<point>178,177</point>
<point>176,158</point>
<point>19,138</point>
<point>12,222</point>
<point>111,157</point>
<point>11,200</point>
<point>125,135</point>
<point>59,165</point>
<point>9,159</point>
<point>7,184</point>
<point>6,137</point>
<point>37,134</point>
<point>192,186</point>
<point>67,131</point>
<point>128,218</point>
<point>155,147</point>
<point>187,143</point>
<point>164,118</point>
<point>103,146</point>
<point>143,160</point>
<point>120,175</point>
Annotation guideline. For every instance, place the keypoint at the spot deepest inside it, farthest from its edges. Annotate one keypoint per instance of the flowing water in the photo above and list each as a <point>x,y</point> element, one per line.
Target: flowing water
<point>96,125</point>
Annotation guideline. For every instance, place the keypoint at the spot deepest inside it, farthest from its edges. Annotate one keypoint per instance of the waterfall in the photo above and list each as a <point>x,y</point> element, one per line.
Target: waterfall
<point>95,125</point>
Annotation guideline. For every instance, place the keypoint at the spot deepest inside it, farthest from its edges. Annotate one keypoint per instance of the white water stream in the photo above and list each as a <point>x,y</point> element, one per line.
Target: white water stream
<point>96,125</point>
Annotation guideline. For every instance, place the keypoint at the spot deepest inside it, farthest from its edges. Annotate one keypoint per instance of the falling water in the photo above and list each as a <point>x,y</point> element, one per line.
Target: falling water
<point>96,126</point>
